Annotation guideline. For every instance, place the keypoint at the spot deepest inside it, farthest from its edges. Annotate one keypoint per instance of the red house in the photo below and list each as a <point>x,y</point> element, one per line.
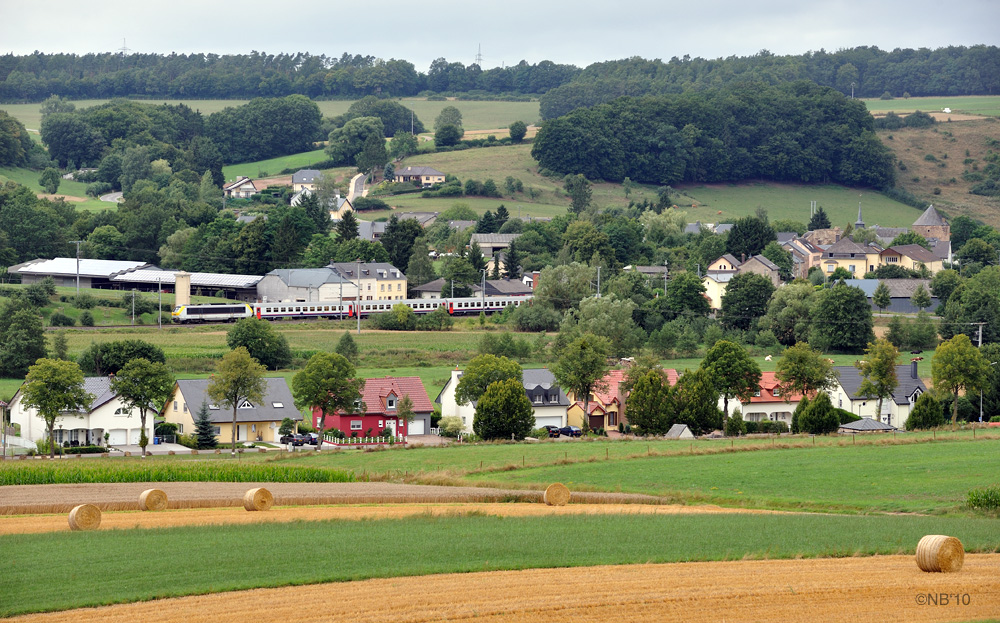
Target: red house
<point>381,397</point>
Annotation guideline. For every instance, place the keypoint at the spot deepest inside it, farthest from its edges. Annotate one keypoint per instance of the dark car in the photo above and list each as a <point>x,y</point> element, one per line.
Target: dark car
<point>553,430</point>
<point>312,439</point>
<point>295,440</point>
<point>570,431</point>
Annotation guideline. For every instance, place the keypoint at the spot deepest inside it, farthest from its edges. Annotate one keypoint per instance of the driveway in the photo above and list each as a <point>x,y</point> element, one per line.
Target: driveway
<point>112,197</point>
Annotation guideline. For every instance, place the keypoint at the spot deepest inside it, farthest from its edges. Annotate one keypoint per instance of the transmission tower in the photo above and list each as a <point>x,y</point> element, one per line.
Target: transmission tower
<point>479,56</point>
<point>124,50</point>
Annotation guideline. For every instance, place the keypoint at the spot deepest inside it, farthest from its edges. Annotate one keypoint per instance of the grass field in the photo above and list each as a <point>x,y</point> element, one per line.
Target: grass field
<point>43,572</point>
<point>475,115</point>
<point>273,166</point>
<point>964,104</point>
<point>75,192</point>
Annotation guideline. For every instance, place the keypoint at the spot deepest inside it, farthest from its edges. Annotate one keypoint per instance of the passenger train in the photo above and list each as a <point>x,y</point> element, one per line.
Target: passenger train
<point>231,312</point>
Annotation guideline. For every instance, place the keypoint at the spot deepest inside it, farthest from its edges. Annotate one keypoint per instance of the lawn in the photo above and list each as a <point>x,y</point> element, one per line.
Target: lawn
<point>274,166</point>
<point>43,571</point>
<point>75,192</point>
<point>965,104</point>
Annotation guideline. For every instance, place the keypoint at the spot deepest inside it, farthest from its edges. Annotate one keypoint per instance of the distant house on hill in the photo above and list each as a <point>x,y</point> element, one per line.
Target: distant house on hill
<point>242,188</point>
<point>425,176</point>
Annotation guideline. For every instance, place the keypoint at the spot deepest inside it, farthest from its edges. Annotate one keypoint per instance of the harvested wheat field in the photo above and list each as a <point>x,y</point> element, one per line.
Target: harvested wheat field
<point>884,588</point>
<point>120,520</point>
<point>39,499</point>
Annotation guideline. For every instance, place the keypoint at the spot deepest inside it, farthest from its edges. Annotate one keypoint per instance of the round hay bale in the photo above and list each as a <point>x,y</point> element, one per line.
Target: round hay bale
<point>85,517</point>
<point>259,499</point>
<point>940,553</point>
<point>556,494</point>
<point>152,500</point>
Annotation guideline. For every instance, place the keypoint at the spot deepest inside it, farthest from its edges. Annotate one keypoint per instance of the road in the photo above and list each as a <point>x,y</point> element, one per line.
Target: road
<point>357,187</point>
<point>112,197</point>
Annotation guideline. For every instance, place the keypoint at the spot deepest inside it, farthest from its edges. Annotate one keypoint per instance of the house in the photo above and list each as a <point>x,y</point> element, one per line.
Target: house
<point>805,255</point>
<point>910,257</point>
<point>824,237</point>
<point>931,224</point>
<point>548,402</point>
<point>304,285</point>
<point>900,293</point>
<point>242,188</point>
<point>715,283</point>
<point>606,406</point>
<point>254,422</point>
<point>337,206</point>
<point>506,287</point>
<point>375,280</point>
<point>654,274</point>
<point>381,397</point>
<point>854,258</point>
<point>726,262</point>
<point>424,219</point>
<point>895,409</point>
<point>64,271</point>
<point>432,289</point>
<point>760,265</point>
<point>424,176</point>
<point>722,270</point>
<point>768,404</point>
<point>106,414</point>
<point>305,179</point>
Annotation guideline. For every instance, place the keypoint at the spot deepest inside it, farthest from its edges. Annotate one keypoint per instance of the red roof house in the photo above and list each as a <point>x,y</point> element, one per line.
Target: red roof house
<point>769,403</point>
<point>381,397</point>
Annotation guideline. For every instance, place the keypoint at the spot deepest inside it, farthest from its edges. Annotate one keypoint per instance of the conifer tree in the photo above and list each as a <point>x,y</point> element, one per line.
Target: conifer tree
<point>203,428</point>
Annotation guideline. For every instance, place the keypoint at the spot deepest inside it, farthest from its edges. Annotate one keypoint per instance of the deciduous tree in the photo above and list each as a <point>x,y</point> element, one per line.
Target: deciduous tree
<point>55,388</point>
<point>881,297</point>
<point>803,370</point>
<point>957,366</point>
<point>238,378</point>
<point>327,383</point>
<point>481,372</point>
<point>261,340</point>
<point>517,131</point>
<point>142,384</point>
<point>581,368</point>
<point>878,372</point>
<point>841,320</point>
<point>745,300</point>
<point>504,411</point>
<point>733,372</point>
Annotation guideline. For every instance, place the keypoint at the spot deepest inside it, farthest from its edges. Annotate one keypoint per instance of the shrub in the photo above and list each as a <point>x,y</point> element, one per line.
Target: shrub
<point>61,320</point>
<point>735,426</point>
<point>995,418</point>
<point>87,319</point>
<point>927,413</point>
<point>845,416</point>
<point>84,301</point>
<point>451,426</point>
<point>542,433</point>
<point>985,498</point>
<point>819,418</point>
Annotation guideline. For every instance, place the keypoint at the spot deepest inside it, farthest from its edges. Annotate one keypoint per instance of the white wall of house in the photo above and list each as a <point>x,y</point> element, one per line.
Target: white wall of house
<point>111,417</point>
<point>450,406</point>
<point>892,413</point>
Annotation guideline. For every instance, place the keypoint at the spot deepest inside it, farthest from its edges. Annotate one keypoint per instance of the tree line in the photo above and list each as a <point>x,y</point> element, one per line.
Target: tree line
<point>869,71</point>
<point>796,132</point>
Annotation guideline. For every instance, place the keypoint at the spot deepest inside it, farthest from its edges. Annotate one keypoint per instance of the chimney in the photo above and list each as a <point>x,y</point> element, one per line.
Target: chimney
<point>913,368</point>
<point>743,258</point>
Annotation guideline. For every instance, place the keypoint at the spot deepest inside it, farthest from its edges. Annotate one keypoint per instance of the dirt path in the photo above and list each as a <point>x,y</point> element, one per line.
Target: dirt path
<point>38,499</point>
<point>120,520</point>
<point>855,590</point>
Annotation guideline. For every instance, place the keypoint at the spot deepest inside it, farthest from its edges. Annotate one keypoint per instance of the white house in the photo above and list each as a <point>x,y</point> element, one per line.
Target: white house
<point>548,402</point>
<point>106,414</point>
<point>895,409</point>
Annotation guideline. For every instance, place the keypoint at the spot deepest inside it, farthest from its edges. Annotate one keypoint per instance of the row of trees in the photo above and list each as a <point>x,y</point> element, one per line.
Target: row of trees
<point>955,70</point>
<point>791,132</point>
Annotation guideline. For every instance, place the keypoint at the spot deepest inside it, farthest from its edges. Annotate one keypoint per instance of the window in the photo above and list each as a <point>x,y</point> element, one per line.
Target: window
<point>538,399</point>
<point>554,399</point>
<point>851,268</point>
<point>829,268</point>
<point>383,287</point>
<point>180,428</point>
<point>216,430</point>
<point>185,407</point>
<point>175,405</point>
<point>380,424</point>
<point>756,394</point>
<point>245,405</point>
<point>390,403</point>
<point>213,407</point>
<point>399,287</point>
<point>775,392</point>
<point>355,424</point>
<point>278,405</point>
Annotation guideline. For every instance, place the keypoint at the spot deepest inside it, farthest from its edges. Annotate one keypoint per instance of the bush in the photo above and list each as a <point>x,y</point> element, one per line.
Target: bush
<point>504,345</point>
<point>541,433</point>
<point>86,319</point>
<point>995,418</point>
<point>845,416</point>
<point>110,357</point>
<point>927,413</point>
<point>985,498</point>
<point>61,320</point>
<point>84,301</point>
<point>188,441</point>
<point>451,426</point>
<point>735,426</point>
<point>263,343</point>
<point>819,418</point>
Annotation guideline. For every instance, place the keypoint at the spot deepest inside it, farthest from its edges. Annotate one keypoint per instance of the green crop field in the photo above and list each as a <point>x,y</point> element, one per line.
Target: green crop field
<point>988,105</point>
<point>37,580</point>
<point>273,166</point>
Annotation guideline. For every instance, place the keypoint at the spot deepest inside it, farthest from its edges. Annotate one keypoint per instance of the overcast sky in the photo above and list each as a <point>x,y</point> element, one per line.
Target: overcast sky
<point>579,32</point>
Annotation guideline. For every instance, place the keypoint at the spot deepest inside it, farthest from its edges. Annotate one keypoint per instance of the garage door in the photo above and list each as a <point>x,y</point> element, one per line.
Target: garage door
<point>548,420</point>
<point>417,427</point>
<point>133,436</point>
<point>117,437</point>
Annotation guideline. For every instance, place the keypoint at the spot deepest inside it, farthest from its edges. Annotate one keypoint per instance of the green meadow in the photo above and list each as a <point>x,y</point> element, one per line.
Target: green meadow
<point>76,191</point>
<point>988,105</point>
<point>43,571</point>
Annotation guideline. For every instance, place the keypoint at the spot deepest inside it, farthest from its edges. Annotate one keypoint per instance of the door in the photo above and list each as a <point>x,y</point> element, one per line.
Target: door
<point>241,432</point>
<point>391,425</point>
<point>117,437</point>
<point>417,427</point>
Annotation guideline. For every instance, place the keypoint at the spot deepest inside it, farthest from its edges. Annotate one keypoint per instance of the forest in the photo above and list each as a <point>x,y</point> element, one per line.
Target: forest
<point>863,71</point>
<point>797,132</point>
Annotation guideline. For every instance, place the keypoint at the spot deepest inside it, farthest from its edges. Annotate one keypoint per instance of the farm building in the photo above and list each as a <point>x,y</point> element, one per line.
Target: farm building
<point>305,284</point>
<point>900,292</point>
<point>64,271</point>
<point>381,398</point>
<point>254,422</point>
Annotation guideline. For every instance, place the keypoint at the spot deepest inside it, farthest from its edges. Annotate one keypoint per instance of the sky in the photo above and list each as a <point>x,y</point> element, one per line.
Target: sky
<point>578,33</point>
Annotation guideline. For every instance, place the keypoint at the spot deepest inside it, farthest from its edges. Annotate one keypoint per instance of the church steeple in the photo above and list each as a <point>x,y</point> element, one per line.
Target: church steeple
<point>861,223</point>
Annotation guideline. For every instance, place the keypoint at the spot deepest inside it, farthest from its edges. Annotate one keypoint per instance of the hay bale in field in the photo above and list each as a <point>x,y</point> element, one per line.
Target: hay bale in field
<point>556,494</point>
<point>85,517</point>
<point>259,499</point>
<point>940,553</point>
<point>152,500</point>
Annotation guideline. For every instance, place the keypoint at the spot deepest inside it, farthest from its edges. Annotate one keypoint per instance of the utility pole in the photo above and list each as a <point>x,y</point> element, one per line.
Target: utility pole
<point>77,243</point>
<point>598,282</point>
<point>664,277</point>
<point>484,288</point>
<point>159,306</point>
<point>133,307</point>
<point>359,296</point>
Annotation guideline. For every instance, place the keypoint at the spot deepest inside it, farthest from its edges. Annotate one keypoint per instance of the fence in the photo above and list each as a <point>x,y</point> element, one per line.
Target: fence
<point>364,441</point>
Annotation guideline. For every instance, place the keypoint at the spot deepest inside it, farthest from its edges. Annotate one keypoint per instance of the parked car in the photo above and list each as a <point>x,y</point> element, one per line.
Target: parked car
<point>570,431</point>
<point>553,430</point>
<point>312,439</point>
<point>295,440</point>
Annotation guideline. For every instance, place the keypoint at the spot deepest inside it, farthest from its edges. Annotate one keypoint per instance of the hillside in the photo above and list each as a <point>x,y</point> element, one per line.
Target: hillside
<point>935,159</point>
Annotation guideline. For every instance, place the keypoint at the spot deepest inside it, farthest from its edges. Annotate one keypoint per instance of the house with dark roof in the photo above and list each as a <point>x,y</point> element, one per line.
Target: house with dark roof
<point>105,415</point>
<point>336,206</point>
<point>375,280</point>
<point>854,258</point>
<point>895,410</point>
<point>865,425</point>
<point>254,421</point>
<point>304,285</point>
<point>900,293</point>
<point>380,398</point>
<point>242,188</point>
<point>548,402</point>
<point>305,179</point>
<point>911,257</point>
